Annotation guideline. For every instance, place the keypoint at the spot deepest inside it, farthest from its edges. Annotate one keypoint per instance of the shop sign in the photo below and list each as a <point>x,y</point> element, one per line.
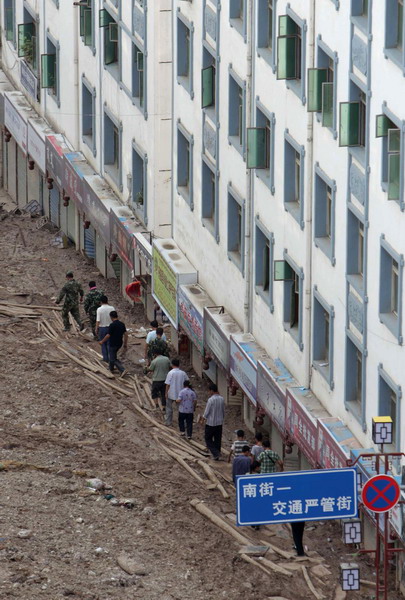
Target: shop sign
<point>215,340</point>
<point>96,212</point>
<point>72,180</point>
<point>144,250</point>
<point>54,159</point>
<point>164,286</point>
<point>243,369</point>
<point>270,396</point>
<point>191,320</point>
<point>330,454</point>
<point>28,80</point>
<point>16,125</point>
<point>301,427</point>
<point>36,147</point>
<point>122,239</point>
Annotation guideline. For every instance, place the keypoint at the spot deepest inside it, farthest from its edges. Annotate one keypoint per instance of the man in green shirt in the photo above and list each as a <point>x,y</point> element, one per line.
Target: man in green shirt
<point>160,366</point>
<point>270,462</point>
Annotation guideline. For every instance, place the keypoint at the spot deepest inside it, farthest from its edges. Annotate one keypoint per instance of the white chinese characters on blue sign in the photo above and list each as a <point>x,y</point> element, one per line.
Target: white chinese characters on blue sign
<point>299,496</point>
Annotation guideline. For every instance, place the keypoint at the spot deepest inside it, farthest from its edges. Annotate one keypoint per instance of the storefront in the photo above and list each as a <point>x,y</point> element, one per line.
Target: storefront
<point>38,129</point>
<point>16,114</point>
<point>303,410</point>
<point>98,199</point>
<point>122,230</point>
<point>75,168</point>
<point>192,299</point>
<point>55,147</point>
<point>143,269</point>
<point>218,328</point>
<point>170,270</point>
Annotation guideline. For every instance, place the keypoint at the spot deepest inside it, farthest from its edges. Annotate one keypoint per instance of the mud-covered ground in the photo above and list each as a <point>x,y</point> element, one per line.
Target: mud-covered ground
<point>58,539</point>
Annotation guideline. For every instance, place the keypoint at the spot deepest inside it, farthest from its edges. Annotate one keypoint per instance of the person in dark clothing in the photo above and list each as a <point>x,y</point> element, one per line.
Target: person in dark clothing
<point>117,336</point>
<point>297,528</point>
<point>241,463</point>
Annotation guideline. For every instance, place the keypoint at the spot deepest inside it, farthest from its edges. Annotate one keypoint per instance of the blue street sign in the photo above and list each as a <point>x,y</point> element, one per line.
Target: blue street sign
<point>296,496</point>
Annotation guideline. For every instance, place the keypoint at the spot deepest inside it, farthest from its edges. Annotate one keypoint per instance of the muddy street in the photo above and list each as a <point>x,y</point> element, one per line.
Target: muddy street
<point>60,428</point>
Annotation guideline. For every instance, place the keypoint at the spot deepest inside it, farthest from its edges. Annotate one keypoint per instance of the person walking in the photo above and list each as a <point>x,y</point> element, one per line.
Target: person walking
<point>92,302</point>
<point>187,402</point>
<point>158,345</point>
<point>117,337</point>
<point>270,462</point>
<point>70,293</point>
<point>103,321</point>
<point>174,384</point>
<point>159,367</point>
<point>257,447</point>
<point>214,415</point>
<point>297,528</point>
<point>241,463</point>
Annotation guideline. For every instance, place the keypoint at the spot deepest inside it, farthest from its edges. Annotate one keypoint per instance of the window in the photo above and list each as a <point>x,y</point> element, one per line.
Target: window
<point>391,174</point>
<point>236,115</point>
<point>321,87</point>
<point>208,81</point>
<point>112,148</point>
<point>209,200</point>
<point>390,311</point>
<point>322,334</point>
<point>237,15</point>
<point>86,22</point>
<point>28,40</point>
<point>236,226</point>
<point>264,264</point>
<point>9,20</point>
<point>111,41</point>
<point>353,119</point>
<point>324,217</point>
<point>185,143</point>
<point>88,115</point>
<point>394,31</point>
<point>355,250</point>
<point>292,276</point>
<point>139,183</point>
<point>184,55</point>
<point>354,378</point>
<point>294,178</point>
<point>389,404</point>
<point>266,29</point>
<point>50,68</point>
<point>291,52</point>
<point>138,75</point>
<point>360,13</point>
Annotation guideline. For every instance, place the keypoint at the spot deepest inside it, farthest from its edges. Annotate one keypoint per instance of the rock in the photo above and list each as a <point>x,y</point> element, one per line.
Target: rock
<point>277,598</point>
<point>24,533</point>
<point>131,566</point>
<point>320,571</point>
<point>339,593</point>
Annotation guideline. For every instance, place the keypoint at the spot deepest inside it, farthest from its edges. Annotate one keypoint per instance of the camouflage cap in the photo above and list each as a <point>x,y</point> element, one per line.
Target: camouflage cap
<point>69,274</point>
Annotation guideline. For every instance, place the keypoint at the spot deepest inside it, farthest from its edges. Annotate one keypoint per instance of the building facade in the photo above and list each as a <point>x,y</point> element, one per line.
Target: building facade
<point>97,73</point>
<point>288,186</point>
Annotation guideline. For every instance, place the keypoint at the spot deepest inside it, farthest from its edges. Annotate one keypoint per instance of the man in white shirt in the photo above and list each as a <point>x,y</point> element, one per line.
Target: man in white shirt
<point>174,384</point>
<point>103,321</point>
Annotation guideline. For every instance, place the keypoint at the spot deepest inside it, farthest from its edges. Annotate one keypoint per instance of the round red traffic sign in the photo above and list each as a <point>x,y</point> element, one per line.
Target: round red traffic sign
<point>380,493</point>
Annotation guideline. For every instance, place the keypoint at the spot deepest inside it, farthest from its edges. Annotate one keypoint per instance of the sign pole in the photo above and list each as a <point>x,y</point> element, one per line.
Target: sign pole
<point>381,585</point>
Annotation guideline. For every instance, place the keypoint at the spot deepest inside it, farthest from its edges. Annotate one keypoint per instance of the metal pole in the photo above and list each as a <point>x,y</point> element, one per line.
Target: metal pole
<point>385,536</point>
<point>377,543</point>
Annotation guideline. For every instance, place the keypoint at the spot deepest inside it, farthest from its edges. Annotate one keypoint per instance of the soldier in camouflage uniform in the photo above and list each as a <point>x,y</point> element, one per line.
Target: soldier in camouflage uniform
<point>70,291</point>
<point>91,303</point>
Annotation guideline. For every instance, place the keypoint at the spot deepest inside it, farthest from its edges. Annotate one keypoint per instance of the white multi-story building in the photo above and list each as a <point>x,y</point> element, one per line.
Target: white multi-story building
<point>98,72</point>
<point>288,186</point>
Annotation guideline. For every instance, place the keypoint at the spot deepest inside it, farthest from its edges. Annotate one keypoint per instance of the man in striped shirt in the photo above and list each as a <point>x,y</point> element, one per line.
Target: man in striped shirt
<point>238,444</point>
<point>214,415</point>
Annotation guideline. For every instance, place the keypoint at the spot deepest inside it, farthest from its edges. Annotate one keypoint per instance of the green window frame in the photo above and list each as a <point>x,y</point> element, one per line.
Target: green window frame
<point>48,71</point>
<point>111,37</point>
<point>257,143</point>
<point>26,31</point>
<point>288,49</point>
<point>394,163</point>
<point>349,124</point>
<point>283,271</point>
<point>208,86</point>
<point>316,79</point>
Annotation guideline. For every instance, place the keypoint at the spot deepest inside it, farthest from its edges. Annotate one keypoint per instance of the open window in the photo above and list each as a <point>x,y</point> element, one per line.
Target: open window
<point>111,37</point>
<point>391,155</point>
<point>28,41</point>
<point>208,87</point>
<point>288,48</point>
